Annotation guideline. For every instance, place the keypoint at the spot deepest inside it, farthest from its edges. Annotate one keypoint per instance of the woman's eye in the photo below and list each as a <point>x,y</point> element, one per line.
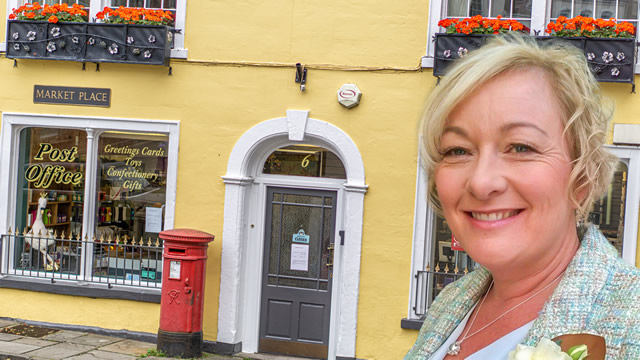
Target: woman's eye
<point>521,148</point>
<point>455,152</point>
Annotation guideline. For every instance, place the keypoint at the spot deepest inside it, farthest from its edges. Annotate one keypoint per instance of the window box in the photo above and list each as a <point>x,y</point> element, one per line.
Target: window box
<point>450,47</point>
<point>89,42</point>
<point>610,59</point>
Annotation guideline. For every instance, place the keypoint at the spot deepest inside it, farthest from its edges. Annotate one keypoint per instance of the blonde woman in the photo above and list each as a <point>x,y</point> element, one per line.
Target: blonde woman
<point>513,148</point>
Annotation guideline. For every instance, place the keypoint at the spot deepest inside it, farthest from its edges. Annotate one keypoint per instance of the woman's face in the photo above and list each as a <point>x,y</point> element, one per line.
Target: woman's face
<point>504,176</point>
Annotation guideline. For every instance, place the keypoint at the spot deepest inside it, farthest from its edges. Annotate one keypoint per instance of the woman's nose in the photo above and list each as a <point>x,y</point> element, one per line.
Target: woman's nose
<point>486,177</point>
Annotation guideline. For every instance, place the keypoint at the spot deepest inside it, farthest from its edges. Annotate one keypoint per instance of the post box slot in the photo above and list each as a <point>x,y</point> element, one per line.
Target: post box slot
<point>177,251</point>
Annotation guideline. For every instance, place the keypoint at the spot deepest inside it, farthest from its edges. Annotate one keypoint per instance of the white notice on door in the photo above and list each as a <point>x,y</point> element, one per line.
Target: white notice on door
<point>299,257</point>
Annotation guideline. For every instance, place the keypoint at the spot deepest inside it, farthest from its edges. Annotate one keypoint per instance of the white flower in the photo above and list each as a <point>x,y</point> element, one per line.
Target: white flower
<point>546,350</point>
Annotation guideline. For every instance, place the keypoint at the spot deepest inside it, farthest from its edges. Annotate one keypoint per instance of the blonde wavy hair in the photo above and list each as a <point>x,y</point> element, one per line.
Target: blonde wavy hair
<point>586,111</point>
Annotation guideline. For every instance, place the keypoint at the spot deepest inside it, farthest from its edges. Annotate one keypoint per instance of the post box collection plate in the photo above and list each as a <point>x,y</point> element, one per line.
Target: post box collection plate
<point>174,269</point>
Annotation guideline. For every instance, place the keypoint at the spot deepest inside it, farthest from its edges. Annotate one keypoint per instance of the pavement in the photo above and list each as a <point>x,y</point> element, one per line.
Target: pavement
<point>31,344</point>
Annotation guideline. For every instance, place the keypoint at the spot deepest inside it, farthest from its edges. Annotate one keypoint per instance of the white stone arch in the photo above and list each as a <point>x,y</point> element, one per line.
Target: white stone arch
<point>238,311</point>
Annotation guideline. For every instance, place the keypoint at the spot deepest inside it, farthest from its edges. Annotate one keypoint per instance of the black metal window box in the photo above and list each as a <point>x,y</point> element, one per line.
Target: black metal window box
<point>89,42</point>
<point>610,59</point>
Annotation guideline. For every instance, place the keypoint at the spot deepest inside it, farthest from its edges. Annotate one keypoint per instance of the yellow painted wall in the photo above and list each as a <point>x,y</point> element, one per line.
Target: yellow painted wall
<point>72,310</point>
<point>216,103</point>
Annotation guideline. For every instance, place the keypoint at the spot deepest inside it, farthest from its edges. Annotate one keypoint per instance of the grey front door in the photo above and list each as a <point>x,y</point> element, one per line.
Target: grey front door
<point>297,272</point>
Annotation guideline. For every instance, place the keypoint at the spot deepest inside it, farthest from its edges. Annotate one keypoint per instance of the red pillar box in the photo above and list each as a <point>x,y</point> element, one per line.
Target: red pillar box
<point>181,305</point>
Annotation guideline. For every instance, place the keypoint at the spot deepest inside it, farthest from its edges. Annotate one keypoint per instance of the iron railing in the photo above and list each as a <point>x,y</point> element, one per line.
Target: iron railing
<point>429,283</point>
<point>109,261</point>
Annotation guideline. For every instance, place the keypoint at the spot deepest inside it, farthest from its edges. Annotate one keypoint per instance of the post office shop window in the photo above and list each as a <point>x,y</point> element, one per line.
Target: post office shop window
<point>122,201</point>
<point>131,197</point>
<point>93,7</point>
<point>49,196</point>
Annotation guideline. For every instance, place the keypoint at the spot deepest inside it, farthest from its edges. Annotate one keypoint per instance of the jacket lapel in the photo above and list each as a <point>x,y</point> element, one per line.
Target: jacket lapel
<point>447,312</point>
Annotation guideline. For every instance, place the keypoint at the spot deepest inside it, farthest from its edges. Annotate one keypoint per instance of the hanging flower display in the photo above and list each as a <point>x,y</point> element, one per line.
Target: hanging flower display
<point>590,27</point>
<point>50,13</point>
<point>63,33</point>
<point>140,16</point>
<point>480,25</point>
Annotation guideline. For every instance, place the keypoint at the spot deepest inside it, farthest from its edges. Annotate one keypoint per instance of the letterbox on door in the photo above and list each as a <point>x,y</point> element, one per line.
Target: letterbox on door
<point>181,304</point>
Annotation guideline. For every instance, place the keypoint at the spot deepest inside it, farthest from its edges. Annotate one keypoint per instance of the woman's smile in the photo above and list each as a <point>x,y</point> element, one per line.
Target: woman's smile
<point>493,216</point>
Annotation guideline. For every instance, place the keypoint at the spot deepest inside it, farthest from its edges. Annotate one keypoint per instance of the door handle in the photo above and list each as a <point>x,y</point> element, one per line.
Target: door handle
<point>330,254</point>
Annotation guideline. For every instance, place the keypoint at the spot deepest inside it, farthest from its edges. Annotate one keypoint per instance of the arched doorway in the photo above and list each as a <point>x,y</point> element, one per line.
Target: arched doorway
<point>246,193</point>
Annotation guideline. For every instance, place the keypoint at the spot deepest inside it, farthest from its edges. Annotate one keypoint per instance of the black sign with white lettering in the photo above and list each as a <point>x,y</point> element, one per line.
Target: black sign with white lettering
<point>71,96</point>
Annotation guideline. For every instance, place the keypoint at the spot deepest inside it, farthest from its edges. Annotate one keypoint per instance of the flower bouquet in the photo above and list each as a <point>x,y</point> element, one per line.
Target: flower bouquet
<point>609,46</point>
<point>463,35</point>
<point>563,347</point>
<point>548,350</point>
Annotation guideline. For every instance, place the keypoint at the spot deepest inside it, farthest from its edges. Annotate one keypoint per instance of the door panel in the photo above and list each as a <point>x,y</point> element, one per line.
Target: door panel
<point>297,272</point>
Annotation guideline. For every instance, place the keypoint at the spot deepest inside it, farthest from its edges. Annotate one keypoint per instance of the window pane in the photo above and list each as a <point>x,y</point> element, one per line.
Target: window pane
<point>627,9</point>
<point>561,8</point>
<point>479,7</point>
<point>583,8</point>
<point>304,160</point>
<point>169,4</point>
<point>131,193</point>
<point>117,3</point>
<point>608,212</point>
<point>136,3</point>
<point>457,8</point>
<point>50,196</point>
<point>606,9</point>
<point>501,7</point>
<point>521,9</point>
<point>156,4</point>
<point>445,258</point>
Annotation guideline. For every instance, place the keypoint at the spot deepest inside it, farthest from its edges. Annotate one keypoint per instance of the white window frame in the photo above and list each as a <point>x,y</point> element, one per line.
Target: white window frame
<point>424,218</point>
<point>13,123</point>
<point>178,51</point>
<point>540,12</point>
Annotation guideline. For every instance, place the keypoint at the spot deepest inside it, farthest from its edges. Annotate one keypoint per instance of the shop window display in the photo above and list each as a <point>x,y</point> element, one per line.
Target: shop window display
<point>131,189</point>
<point>54,203</point>
<point>52,168</point>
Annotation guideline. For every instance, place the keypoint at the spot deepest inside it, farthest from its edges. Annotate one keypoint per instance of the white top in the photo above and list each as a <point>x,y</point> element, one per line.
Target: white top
<point>497,350</point>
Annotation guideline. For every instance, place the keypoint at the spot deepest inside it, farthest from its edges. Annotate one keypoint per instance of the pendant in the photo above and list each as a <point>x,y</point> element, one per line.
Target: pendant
<point>454,349</point>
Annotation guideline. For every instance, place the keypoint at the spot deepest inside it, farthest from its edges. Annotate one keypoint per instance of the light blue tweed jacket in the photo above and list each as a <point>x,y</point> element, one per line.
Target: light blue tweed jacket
<point>598,294</point>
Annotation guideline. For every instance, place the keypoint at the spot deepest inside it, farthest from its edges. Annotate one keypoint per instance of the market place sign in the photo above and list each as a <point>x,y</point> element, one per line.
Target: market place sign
<point>65,95</point>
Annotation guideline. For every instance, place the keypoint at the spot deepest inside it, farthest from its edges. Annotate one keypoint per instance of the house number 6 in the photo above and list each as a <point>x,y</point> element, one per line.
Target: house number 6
<point>305,161</point>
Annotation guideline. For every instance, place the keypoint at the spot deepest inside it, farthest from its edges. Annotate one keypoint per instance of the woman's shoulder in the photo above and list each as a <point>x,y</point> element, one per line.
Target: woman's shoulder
<point>448,310</point>
<point>617,283</point>
<point>606,259</point>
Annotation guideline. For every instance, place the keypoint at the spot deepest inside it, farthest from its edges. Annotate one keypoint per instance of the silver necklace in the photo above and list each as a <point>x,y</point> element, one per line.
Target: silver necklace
<point>454,349</point>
